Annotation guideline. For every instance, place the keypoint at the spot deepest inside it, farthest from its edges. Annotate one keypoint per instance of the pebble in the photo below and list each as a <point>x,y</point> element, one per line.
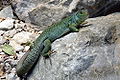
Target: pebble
<point>20,54</point>
<point>1,32</point>
<point>11,76</point>
<point>2,40</point>
<point>1,53</point>
<point>7,24</point>
<point>2,58</point>
<point>10,33</point>
<point>7,67</point>
<point>13,70</point>
<point>26,48</point>
<point>22,37</point>
<point>16,46</point>
<point>1,69</point>
<point>0,50</point>
<point>14,62</point>
<point>19,25</point>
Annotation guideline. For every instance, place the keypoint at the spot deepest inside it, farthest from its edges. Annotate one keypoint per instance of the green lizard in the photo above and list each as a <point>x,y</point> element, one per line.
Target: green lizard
<point>42,44</point>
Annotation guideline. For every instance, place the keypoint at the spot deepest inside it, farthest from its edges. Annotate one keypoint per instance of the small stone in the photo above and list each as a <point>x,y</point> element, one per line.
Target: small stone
<point>0,49</point>
<point>22,37</point>
<point>18,25</point>
<point>11,76</point>
<point>16,46</point>
<point>1,32</point>
<point>40,32</point>
<point>1,70</point>
<point>26,48</point>
<point>6,24</point>
<point>13,70</point>
<point>3,77</point>
<point>2,40</point>
<point>20,54</point>
<point>10,33</point>
<point>13,62</point>
<point>2,58</point>
<point>7,67</point>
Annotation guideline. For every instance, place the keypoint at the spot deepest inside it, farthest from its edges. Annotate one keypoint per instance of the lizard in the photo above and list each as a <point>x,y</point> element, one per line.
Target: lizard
<point>42,45</point>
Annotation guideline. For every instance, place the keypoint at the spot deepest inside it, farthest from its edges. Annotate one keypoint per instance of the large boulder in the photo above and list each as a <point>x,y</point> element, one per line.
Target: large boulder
<point>45,12</point>
<point>93,53</point>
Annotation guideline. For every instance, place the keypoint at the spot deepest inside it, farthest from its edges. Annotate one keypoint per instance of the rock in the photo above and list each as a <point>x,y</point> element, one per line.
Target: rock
<point>1,32</point>
<point>90,54</point>
<point>2,58</point>
<point>13,70</point>
<point>6,12</point>
<point>23,9</point>
<point>11,76</point>
<point>20,54</point>
<point>2,40</point>
<point>11,33</point>
<point>13,63</point>
<point>103,7</point>
<point>46,12</point>
<point>1,5</point>
<point>1,69</point>
<point>26,48</point>
<point>7,24</point>
<point>22,37</point>
<point>43,12</point>
<point>16,46</point>
<point>7,67</point>
<point>1,53</point>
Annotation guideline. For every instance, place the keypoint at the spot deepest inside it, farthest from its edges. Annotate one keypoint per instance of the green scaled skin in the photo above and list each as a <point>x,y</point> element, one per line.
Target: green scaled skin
<point>42,44</point>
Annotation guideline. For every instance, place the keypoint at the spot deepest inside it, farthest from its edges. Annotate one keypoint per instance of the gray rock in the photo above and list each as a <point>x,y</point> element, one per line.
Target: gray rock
<point>22,37</point>
<point>2,40</point>
<point>16,45</point>
<point>10,33</point>
<point>6,12</point>
<point>7,67</point>
<point>1,32</point>
<point>43,12</point>
<point>1,5</point>
<point>11,76</point>
<point>2,58</point>
<point>22,8</point>
<point>46,15</point>
<point>90,54</point>
<point>7,24</point>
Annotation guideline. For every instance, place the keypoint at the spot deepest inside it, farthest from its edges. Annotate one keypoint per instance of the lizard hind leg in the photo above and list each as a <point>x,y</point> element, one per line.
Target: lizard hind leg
<point>47,56</point>
<point>47,50</point>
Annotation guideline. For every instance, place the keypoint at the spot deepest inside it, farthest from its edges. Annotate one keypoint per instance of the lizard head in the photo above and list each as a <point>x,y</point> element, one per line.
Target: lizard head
<point>81,16</point>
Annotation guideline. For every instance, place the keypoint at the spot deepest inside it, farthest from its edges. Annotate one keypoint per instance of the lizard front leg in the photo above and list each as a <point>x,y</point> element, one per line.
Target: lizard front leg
<point>47,48</point>
<point>73,28</point>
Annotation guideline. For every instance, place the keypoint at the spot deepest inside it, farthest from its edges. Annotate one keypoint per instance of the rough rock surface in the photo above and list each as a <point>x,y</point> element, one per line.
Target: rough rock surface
<point>19,35</point>
<point>5,11</point>
<point>7,24</point>
<point>43,12</point>
<point>46,12</point>
<point>90,54</point>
